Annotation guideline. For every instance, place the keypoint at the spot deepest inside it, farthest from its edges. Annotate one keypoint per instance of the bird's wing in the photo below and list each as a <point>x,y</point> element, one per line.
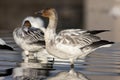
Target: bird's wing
<point>35,36</point>
<point>76,38</point>
<point>94,32</point>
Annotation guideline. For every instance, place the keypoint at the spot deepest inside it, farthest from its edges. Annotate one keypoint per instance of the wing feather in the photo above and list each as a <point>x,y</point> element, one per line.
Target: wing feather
<point>32,36</point>
<point>76,37</point>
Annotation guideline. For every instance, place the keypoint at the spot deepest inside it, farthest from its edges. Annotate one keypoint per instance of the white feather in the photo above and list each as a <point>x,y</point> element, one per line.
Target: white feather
<point>2,42</point>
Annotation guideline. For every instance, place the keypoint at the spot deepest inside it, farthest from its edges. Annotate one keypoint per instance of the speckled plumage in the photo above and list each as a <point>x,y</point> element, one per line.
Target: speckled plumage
<point>71,43</point>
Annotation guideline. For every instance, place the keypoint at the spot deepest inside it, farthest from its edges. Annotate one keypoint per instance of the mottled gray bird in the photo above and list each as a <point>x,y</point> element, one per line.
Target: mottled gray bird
<point>70,44</point>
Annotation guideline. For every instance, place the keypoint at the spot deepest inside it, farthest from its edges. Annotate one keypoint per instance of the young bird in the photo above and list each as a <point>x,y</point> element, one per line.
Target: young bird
<point>70,43</point>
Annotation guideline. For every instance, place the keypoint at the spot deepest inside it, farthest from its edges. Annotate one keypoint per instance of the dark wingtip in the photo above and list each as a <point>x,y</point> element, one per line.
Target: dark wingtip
<point>106,42</point>
<point>98,44</point>
<point>6,47</point>
<point>97,31</point>
<point>10,48</point>
<point>112,42</point>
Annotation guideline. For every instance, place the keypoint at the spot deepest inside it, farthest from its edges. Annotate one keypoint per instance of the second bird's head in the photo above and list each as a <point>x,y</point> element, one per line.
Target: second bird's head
<point>32,23</point>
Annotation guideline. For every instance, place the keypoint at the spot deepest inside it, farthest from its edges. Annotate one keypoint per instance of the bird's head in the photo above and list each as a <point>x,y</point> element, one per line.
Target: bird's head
<point>49,12</point>
<point>32,23</point>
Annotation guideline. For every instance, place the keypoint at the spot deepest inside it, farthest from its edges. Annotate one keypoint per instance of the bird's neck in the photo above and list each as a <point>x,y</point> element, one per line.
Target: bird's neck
<point>53,19</point>
<point>51,30</point>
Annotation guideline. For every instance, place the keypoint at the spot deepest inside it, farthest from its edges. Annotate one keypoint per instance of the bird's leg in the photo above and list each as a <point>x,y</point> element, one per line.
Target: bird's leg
<point>72,66</point>
<point>25,55</point>
<point>35,55</point>
<point>72,63</point>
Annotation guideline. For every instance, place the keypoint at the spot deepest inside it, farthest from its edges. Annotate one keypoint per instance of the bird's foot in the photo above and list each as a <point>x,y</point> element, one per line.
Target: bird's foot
<point>72,66</point>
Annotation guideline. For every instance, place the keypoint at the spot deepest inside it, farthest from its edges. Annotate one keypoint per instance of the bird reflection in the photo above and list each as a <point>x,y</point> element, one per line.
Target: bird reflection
<point>69,75</point>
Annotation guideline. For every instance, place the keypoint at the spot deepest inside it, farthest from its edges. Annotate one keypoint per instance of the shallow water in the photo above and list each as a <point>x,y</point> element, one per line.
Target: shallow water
<point>103,64</point>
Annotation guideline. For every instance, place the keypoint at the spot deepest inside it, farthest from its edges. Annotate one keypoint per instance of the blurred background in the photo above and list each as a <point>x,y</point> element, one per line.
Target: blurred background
<point>86,14</point>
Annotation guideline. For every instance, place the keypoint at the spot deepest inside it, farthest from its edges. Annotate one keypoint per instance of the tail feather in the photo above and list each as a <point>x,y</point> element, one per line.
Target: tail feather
<point>101,43</point>
<point>98,44</point>
<point>94,32</point>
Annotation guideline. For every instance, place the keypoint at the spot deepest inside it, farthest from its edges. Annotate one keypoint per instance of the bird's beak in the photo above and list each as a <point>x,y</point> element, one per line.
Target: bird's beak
<point>39,12</point>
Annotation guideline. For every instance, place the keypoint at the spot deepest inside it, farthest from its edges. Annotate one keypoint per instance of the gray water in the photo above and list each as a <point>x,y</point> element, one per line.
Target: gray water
<point>103,64</point>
